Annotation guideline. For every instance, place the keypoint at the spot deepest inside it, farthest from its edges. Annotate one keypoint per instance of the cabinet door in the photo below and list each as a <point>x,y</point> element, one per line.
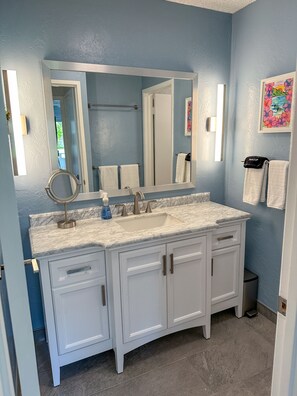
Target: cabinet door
<point>186,280</point>
<point>143,287</point>
<point>225,273</point>
<point>81,315</point>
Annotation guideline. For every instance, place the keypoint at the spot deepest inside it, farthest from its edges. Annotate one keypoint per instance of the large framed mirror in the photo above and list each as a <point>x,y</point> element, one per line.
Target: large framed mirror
<point>121,128</point>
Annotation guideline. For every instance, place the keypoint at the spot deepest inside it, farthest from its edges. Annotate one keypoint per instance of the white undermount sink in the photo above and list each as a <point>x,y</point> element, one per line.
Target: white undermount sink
<point>147,221</point>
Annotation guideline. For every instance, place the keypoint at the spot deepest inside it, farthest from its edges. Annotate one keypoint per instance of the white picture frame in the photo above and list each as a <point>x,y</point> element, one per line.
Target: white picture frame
<point>277,99</point>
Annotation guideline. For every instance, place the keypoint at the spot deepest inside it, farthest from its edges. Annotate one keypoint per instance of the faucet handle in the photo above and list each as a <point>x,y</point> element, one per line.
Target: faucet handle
<point>148,207</point>
<point>124,209</point>
<point>141,194</point>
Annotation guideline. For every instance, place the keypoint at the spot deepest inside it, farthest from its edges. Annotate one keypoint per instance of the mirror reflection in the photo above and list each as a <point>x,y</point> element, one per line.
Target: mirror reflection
<point>63,187</point>
<point>117,131</point>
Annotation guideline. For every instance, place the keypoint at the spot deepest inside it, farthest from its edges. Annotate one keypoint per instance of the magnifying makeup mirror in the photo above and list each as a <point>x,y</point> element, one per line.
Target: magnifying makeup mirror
<point>63,187</point>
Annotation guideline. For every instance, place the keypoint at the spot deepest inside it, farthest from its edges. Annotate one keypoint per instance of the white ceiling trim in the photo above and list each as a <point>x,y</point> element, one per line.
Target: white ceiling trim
<point>228,6</point>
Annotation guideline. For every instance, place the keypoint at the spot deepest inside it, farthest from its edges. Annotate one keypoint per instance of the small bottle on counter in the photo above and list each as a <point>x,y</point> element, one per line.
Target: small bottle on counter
<point>105,212</point>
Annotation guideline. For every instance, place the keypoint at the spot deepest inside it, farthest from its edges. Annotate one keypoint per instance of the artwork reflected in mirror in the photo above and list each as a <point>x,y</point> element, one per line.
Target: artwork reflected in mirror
<point>119,131</point>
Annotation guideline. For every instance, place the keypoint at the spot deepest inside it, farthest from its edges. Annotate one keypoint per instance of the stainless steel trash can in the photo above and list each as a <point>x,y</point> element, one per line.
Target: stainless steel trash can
<point>250,292</point>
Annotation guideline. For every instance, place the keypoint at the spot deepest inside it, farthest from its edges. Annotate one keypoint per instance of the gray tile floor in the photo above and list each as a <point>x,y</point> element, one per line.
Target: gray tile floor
<point>236,361</point>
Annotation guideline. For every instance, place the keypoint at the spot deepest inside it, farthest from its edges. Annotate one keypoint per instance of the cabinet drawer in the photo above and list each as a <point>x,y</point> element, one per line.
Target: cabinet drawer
<point>77,269</point>
<point>226,236</point>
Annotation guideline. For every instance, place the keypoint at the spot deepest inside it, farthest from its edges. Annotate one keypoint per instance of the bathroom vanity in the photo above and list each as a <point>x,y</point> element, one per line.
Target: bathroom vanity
<point>105,287</point>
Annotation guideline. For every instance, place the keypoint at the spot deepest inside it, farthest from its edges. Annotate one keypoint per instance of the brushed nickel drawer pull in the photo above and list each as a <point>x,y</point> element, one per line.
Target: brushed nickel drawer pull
<point>212,267</point>
<point>81,269</point>
<point>171,263</point>
<point>103,295</point>
<point>164,265</point>
<point>224,238</point>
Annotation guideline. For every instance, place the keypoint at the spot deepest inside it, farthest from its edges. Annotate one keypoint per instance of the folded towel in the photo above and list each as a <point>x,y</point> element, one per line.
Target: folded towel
<point>129,175</point>
<point>255,181</point>
<point>188,172</point>
<point>277,184</point>
<point>254,161</point>
<point>180,168</point>
<point>108,177</point>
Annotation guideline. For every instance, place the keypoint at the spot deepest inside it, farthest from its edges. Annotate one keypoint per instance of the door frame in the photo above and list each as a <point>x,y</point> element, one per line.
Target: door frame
<point>148,127</point>
<point>284,381</point>
<point>12,253</point>
<point>75,84</point>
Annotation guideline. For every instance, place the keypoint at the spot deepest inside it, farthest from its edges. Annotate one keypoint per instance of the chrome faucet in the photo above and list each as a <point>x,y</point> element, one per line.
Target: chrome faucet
<point>137,196</point>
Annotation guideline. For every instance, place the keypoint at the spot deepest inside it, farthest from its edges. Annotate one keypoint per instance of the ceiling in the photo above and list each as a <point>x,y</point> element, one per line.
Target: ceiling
<point>229,6</point>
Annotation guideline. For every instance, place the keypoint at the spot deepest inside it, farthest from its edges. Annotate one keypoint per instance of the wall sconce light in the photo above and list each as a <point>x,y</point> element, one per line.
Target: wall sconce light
<point>16,122</point>
<point>216,124</point>
<point>211,124</point>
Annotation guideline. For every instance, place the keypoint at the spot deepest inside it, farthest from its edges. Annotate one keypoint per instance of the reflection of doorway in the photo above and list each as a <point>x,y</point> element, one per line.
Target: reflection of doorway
<point>70,139</point>
<point>158,104</point>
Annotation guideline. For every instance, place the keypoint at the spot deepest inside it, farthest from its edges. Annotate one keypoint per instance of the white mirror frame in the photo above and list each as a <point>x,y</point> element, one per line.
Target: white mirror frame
<point>48,65</point>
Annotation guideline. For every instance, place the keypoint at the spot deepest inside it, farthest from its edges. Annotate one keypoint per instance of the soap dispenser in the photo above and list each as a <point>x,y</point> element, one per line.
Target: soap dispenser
<point>105,212</point>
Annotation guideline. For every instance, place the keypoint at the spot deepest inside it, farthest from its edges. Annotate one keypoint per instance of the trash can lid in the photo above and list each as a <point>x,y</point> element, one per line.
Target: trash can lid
<point>249,276</point>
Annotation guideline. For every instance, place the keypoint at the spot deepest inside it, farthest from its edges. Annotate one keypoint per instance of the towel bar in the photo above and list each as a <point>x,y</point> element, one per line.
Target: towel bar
<point>96,167</point>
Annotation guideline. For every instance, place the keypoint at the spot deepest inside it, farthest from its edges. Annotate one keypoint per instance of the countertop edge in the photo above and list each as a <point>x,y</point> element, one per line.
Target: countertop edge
<point>143,239</point>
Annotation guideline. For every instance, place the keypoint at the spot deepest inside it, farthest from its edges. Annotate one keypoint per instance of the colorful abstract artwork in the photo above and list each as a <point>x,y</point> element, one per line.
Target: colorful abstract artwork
<point>188,116</point>
<point>277,104</point>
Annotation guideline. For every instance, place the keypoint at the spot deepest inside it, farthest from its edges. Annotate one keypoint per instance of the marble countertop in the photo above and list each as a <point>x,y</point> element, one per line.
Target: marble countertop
<point>195,217</point>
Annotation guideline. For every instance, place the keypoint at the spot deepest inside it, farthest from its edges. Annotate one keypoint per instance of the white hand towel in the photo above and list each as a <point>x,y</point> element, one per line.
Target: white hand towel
<point>255,181</point>
<point>108,177</point>
<point>180,168</point>
<point>129,175</point>
<point>188,172</point>
<point>277,184</point>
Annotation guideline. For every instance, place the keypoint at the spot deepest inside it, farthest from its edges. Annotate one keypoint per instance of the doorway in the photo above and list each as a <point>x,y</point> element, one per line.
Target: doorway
<point>70,134</point>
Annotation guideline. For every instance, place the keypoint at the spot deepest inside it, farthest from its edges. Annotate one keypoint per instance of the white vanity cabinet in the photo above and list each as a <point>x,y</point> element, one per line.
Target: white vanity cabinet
<point>227,268</point>
<point>75,307</point>
<point>136,290</point>
<point>163,288</point>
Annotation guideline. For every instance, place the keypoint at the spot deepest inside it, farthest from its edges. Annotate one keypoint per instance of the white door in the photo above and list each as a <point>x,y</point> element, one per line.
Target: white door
<point>158,116</point>
<point>186,280</point>
<point>143,286</point>
<point>81,315</point>
<point>284,379</point>
<point>163,140</point>
<point>224,274</point>
<point>10,240</point>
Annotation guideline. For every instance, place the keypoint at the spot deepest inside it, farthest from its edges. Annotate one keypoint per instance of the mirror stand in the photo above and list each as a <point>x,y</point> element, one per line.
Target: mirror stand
<point>66,223</point>
<point>63,187</point>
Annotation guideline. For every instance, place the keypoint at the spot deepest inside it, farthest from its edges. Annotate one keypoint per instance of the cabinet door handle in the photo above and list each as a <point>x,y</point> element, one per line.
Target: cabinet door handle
<point>212,267</point>
<point>81,269</point>
<point>164,265</point>
<point>224,238</point>
<point>171,263</point>
<point>103,295</point>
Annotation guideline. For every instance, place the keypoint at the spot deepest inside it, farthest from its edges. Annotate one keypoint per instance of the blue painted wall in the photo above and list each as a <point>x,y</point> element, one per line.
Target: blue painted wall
<point>153,34</point>
<point>263,45</point>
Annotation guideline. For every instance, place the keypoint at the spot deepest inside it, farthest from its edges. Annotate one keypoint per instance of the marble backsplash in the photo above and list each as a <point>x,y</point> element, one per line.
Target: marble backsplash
<point>43,219</point>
